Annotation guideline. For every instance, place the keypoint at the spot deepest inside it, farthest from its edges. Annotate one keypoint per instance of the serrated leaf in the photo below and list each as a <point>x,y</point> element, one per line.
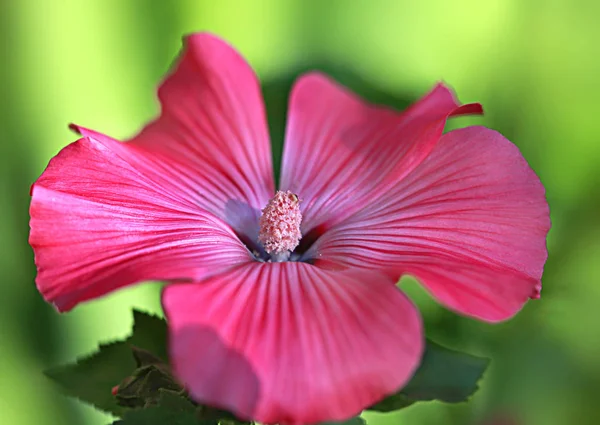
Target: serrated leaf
<point>444,374</point>
<point>150,333</point>
<point>91,378</point>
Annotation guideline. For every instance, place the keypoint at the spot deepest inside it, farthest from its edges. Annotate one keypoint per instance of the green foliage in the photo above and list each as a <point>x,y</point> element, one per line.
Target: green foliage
<point>158,415</point>
<point>142,388</point>
<point>148,394</point>
<point>150,333</point>
<point>171,408</point>
<point>92,378</point>
<point>146,391</point>
<point>444,374</point>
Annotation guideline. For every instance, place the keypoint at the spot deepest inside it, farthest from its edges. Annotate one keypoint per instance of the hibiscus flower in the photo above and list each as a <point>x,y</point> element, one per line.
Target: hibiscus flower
<point>283,305</point>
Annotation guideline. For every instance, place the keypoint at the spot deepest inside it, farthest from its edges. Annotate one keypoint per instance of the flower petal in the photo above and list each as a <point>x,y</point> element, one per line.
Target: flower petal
<point>105,215</point>
<point>213,127</point>
<point>470,222</point>
<point>341,152</point>
<point>291,343</point>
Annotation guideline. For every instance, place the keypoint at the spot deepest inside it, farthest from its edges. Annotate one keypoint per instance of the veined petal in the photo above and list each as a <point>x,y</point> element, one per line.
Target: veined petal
<point>470,222</point>
<point>105,214</point>
<point>291,343</point>
<point>212,130</point>
<point>341,152</point>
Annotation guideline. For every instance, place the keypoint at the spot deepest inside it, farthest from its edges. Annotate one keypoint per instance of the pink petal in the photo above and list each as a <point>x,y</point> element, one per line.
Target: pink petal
<point>470,222</point>
<point>104,215</point>
<point>291,343</point>
<point>341,152</point>
<point>213,127</point>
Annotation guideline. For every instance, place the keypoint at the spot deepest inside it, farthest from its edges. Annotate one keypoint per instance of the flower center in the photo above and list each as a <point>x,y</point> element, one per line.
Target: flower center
<point>279,224</point>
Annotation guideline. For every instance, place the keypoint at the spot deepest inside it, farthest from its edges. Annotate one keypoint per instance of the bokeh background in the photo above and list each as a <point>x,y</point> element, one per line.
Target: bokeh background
<point>533,64</point>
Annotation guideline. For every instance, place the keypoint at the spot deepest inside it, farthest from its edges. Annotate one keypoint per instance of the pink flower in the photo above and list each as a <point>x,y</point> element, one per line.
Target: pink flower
<point>322,332</point>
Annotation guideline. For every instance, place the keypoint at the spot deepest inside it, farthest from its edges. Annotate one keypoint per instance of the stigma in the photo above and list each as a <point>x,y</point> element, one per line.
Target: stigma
<point>279,225</point>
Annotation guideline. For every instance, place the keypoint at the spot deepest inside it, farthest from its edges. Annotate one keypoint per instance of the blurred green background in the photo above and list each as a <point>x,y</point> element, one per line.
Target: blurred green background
<point>533,64</point>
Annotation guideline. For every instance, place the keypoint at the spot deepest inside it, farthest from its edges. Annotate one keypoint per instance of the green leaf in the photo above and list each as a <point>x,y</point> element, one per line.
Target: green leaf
<point>175,401</point>
<point>91,378</point>
<point>145,358</point>
<point>159,415</point>
<point>172,408</point>
<point>150,333</point>
<point>444,374</point>
<point>142,389</point>
<point>391,403</point>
